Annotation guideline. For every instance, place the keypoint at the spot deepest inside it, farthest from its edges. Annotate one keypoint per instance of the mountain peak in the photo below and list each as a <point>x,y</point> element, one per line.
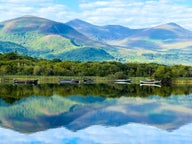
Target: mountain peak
<point>173,24</point>
<point>30,16</point>
<point>79,22</point>
<point>170,26</point>
<point>25,23</point>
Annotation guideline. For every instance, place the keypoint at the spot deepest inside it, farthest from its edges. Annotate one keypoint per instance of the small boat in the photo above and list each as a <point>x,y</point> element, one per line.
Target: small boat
<point>88,81</point>
<point>67,81</point>
<point>123,81</point>
<point>150,82</point>
<point>155,85</point>
<point>35,82</point>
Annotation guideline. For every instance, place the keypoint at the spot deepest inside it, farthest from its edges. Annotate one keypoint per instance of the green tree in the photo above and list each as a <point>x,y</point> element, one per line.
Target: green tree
<point>163,73</point>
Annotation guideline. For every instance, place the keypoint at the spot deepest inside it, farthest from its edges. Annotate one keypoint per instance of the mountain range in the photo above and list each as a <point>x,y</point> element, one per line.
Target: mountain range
<point>81,41</point>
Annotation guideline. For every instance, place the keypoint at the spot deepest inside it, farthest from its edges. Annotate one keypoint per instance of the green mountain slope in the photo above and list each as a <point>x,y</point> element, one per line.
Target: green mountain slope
<point>40,26</point>
<point>42,37</point>
<point>10,47</point>
<point>87,54</point>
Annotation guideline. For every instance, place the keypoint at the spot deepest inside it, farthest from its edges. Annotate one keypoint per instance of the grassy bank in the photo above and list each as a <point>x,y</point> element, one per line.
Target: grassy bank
<point>182,81</point>
<point>50,79</point>
<point>55,79</point>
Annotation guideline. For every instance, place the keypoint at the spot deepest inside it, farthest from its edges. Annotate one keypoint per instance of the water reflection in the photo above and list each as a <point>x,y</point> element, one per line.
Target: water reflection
<point>127,134</point>
<point>95,110</point>
<point>30,109</point>
<point>12,93</point>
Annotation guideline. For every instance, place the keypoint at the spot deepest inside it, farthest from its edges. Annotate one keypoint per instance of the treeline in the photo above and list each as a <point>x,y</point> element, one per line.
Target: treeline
<point>15,64</point>
<point>12,93</point>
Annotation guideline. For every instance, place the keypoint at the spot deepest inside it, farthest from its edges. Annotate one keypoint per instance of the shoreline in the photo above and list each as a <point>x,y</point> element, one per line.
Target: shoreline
<point>97,79</point>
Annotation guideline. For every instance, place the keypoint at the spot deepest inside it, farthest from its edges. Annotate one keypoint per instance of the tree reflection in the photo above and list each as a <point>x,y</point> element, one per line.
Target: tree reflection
<point>12,93</point>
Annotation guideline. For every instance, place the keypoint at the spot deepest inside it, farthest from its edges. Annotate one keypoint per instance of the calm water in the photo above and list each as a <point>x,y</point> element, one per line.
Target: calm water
<point>95,113</point>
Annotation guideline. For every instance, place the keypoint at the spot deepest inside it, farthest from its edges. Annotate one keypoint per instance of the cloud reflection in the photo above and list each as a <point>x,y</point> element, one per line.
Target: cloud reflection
<point>131,133</point>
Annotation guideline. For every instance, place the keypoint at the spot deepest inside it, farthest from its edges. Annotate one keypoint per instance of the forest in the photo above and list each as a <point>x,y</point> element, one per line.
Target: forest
<point>15,64</point>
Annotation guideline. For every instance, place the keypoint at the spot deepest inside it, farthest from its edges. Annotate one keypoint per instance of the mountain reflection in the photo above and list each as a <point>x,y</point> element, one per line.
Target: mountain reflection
<point>29,109</point>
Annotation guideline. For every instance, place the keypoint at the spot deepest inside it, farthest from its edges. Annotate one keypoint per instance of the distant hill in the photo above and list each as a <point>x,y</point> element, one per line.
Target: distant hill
<point>43,38</point>
<point>167,43</point>
<point>119,35</point>
<point>165,32</point>
<point>101,33</point>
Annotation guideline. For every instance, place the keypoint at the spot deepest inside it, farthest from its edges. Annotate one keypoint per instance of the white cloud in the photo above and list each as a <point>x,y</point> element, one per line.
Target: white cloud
<point>130,13</point>
<point>42,8</point>
<point>136,14</point>
<point>26,1</point>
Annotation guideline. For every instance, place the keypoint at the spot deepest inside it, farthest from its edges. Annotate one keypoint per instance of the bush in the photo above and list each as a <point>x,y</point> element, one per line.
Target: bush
<point>120,75</point>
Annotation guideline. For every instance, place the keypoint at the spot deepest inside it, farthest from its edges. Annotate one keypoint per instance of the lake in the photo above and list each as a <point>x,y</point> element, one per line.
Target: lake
<point>95,114</point>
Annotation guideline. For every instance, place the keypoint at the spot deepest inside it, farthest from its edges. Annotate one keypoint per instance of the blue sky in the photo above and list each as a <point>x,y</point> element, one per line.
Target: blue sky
<point>130,13</point>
